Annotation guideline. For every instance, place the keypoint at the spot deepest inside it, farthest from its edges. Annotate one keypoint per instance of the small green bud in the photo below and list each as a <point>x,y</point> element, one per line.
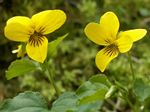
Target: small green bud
<point>111,91</point>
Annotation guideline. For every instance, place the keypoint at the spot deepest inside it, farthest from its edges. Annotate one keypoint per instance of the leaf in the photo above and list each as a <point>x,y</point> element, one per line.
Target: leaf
<point>68,102</point>
<point>20,67</point>
<point>52,46</point>
<point>90,107</point>
<point>100,79</point>
<point>25,102</point>
<point>93,90</point>
<point>141,90</point>
<point>96,96</point>
<point>65,103</point>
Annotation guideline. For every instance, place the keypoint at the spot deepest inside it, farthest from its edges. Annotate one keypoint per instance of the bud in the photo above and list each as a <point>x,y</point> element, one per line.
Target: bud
<point>111,91</point>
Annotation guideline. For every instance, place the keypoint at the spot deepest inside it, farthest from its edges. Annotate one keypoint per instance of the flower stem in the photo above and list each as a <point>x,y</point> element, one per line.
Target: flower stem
<point>130,104</point>
<point>51,79</point>
<point>131,67</point>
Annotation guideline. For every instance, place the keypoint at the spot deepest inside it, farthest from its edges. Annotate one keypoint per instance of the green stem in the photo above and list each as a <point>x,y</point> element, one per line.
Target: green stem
<point>50,77</point>
<point>125,95</point>
<point>131,67</point>
<point>130,104</point>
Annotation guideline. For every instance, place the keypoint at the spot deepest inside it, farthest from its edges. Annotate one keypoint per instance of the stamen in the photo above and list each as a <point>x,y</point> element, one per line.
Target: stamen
<point>111,50</point>
<point>36,39</point>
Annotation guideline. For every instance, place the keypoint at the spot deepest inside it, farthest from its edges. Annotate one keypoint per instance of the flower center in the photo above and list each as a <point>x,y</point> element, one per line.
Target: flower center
<point>36,39</point>
<point>110,50</point>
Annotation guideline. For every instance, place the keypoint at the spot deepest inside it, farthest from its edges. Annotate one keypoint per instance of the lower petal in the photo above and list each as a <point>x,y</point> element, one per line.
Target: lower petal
<point>38,52</point>
<point>104,57</point>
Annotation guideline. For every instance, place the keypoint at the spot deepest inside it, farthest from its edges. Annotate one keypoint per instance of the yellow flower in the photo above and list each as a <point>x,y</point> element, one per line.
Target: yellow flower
<point>33,30</point>
<point>106,33</point>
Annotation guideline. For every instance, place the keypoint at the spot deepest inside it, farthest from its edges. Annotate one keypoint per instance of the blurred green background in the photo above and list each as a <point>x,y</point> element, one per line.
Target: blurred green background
<point>75,59</point>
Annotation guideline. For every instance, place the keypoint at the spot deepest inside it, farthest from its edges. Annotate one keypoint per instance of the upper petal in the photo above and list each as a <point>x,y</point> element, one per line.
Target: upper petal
<point>48,21</point>
<point>110,23</point>
<point>19,19</point>
<point>38,52</point>
<point>135,34</point>
<point>96,34</point>
<point>18,29</point>
<point>104,57</point>
<point>124,43</point>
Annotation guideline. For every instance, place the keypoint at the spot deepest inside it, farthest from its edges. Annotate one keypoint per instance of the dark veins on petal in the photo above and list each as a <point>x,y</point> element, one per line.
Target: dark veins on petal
<point>36,39</point>
<point>111,50</point>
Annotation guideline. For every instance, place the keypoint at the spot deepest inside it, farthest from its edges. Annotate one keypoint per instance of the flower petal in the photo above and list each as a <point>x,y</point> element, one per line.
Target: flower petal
<point>124,43</point>
<point>17,32</point>
<point>110,23</point>
<point>20,19</point>
<point>135,34</point>
<point>104,57</point>
<point>96,34</point>
<point>18,28</point>
<point>48,21</point>
<point>38,52</point>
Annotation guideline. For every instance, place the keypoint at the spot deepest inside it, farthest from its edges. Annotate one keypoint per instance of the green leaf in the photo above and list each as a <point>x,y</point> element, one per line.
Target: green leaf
<point>96,96</point>
<point>100,78</point>
<point>52,46</point>
<point>65,103</point>
<point>90,107</point>
<point>93,90</point>
<point>25,102</point>
<point>69,102</point>
<point>20,67</point>
<point>141,90</point>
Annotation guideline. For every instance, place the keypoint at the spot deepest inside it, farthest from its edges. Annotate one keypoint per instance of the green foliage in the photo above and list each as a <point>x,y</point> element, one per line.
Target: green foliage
<point>84,100</point>
<point>141,90</point>
<point>74,61</point>
<point>25,102</point>
<point>69,102</point>
<point>65,103</point>
<point>20,67</point>
<point>93,90</point>
<point>52,46</point>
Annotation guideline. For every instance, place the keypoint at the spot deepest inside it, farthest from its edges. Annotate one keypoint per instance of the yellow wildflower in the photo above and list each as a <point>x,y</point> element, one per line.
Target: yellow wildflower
<point>106,33</point>
<point>33,30</point>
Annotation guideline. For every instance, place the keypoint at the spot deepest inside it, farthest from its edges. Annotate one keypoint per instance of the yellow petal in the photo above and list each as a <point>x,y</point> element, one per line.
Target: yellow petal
<point>104,57</point>
<point>38,52</point>
<point>97,34</point>
<point>17,32</point>
<point>20,19</point>
<point>135,34</point>
<point>48,21</point>
<point>110,24</point>
<point>18,28</point>
<point>124,43</point>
